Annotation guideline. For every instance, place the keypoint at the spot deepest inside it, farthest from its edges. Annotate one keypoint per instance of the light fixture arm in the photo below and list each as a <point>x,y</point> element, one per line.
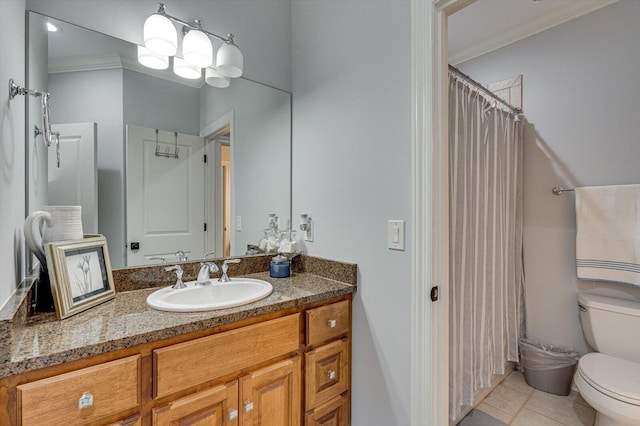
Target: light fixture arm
<point>197,25</point>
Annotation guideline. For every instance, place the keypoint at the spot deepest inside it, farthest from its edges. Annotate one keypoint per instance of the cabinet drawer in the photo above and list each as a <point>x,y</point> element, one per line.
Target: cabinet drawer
<point>327,373</point>
<point>113,386</point>
<point>327,322</point>
<point>188,364</point>
<point>332,413</point>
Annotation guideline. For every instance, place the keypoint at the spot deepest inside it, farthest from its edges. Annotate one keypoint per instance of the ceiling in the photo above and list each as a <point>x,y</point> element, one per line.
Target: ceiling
<point>488,25</point>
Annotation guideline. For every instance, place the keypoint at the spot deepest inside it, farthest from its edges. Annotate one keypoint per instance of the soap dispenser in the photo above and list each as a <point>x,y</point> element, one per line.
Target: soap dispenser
<point>280,267</point>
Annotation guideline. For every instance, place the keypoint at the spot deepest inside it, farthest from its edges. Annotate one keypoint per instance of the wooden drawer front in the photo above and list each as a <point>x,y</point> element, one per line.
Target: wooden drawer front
<point>327,372</point>
<point>114,386</point>
<point>327,322</point>
<point>129,421</point>
<point>188,364</point>
<point>333,413</point>
<point>215,407</point>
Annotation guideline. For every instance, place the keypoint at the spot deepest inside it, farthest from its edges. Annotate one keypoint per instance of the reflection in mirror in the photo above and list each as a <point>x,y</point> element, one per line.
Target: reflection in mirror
<point>121,124</point>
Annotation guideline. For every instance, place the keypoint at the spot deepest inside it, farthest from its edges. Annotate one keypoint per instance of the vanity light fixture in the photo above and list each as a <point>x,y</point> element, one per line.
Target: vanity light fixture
<point>213,78</point>
<point>161,39</point>
<point>152,60</point>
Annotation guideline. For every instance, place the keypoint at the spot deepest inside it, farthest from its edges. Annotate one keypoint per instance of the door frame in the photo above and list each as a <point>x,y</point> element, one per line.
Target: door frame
<point>213,193</point>
<point>430,210</point>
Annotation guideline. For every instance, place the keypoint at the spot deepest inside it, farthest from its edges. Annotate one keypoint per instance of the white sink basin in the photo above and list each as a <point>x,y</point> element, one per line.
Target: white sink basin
<point>217,295</point>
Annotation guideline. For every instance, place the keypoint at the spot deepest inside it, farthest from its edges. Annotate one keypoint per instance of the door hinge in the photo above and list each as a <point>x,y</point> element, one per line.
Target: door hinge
<point>205,158</point>
<point>434,293</point>
<point>205,227</point>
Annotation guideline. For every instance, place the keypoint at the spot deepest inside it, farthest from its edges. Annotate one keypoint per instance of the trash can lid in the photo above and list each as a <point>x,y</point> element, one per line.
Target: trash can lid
<point>616,377</point>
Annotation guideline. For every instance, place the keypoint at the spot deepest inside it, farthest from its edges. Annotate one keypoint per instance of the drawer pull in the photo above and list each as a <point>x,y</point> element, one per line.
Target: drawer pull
<point>331,374</point>
<point>85,401</point>
<point>332,323</point>
<point>233,414</point>
<point>248,406</point>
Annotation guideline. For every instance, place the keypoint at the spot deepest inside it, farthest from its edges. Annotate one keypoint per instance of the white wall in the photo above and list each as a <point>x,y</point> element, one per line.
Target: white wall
<point>262,27</point>
<point>351,151</point>
<point>581,97</point>
<point>12,119</point>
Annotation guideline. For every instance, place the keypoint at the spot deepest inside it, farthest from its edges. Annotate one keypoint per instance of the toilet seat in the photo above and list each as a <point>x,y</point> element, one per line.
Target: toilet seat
<point>614,377</point>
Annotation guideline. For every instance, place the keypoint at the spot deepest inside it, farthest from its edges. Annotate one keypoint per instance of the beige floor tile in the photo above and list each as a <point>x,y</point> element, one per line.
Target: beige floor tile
<point>564,409</point>
<point>506,399</point>
<point>494,412</point>
<point>516,381</point>
<point>528,417</point>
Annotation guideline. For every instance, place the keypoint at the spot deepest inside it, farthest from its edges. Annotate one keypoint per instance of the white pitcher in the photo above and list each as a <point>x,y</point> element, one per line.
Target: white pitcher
<point>55,223</point>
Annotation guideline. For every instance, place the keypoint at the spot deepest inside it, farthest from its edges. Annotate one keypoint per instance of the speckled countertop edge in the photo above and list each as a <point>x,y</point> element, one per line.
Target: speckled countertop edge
<point>126,321</point>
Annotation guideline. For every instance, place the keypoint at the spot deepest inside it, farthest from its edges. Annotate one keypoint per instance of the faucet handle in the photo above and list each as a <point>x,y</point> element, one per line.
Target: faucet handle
<point>211,253</point>
<point>225,264</point>
<point>179,272</point>
<point>181,256</point>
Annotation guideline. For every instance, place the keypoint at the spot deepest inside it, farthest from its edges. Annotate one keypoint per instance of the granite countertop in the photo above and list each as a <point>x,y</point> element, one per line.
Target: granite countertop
<point>126,321</point>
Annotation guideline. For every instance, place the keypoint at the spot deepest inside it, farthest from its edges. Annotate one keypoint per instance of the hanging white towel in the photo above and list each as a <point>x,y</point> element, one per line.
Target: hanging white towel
<point>608,233</point>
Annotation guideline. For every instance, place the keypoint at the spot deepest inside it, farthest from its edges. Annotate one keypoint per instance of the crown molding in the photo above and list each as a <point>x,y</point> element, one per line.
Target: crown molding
<point>114,61</point>
<point>543,22</point>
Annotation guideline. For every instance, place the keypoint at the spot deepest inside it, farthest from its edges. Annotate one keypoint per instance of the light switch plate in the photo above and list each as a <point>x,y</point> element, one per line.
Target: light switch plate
<point>238,223</point>
<point>395,234</point>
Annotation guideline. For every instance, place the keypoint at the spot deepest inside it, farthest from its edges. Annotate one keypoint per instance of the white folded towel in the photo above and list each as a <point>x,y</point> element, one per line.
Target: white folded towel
<point>608,233</point>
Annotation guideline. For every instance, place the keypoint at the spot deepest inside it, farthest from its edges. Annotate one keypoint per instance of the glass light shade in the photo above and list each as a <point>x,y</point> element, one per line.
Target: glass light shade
<point>185,70</point>
<point>152,60</point>
<point>213,78</point>
<point>229,60</point>
<point>197,49</point>
<point>160,36</point>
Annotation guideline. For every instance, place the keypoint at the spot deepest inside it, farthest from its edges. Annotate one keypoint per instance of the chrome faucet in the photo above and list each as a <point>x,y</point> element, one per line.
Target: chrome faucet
<point>181,255</point>
<point>211,253</point>
<point>205,269</point>
<point>178,269</point>
<point>225,267</point>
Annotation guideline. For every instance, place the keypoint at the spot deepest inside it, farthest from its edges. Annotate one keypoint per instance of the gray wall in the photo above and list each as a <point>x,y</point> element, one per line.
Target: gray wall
<point>97,97</point>
<point>261,154</point>
<point>12,123</point>
<point>351,150</point>
<point>156,103</point>
<point>581,96</point>
<point>262,27</point>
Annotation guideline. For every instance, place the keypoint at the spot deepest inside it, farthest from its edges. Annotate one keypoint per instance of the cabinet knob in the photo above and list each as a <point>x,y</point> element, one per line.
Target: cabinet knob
<point>248,406</point>
<point>233,414</point>
<point>85,401</point>
<point>332,323</point>
<point>331,374</point>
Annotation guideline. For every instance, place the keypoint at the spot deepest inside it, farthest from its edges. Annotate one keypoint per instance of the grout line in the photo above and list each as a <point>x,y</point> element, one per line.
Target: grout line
<point>524,404</point>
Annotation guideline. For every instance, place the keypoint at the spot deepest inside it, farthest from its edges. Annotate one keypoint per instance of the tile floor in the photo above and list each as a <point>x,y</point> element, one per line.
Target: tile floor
<point>513,402</point>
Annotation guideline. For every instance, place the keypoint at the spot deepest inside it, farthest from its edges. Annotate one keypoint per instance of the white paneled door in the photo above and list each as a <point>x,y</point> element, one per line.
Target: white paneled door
<point>75,182</point>
<point>165,195</point>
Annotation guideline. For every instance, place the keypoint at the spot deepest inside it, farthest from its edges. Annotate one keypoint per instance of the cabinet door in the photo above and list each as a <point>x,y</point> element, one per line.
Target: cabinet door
<point>271,395</point>
<point>212,407</point>
<point>333,413</point>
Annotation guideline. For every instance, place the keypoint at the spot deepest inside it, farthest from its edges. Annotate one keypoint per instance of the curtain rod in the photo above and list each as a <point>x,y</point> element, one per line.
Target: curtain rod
<point>480,87</point>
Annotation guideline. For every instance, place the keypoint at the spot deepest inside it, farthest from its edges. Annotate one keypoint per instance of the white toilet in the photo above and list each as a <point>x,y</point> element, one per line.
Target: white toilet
<point>609,379</point>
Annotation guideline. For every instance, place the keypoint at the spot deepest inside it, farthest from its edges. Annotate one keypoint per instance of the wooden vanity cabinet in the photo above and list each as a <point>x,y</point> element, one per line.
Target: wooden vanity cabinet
<point>285,370</point>
<point>328,365</point>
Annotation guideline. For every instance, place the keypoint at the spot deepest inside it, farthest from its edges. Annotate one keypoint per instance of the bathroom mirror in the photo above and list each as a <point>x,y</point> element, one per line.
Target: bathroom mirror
<point>232,170</point>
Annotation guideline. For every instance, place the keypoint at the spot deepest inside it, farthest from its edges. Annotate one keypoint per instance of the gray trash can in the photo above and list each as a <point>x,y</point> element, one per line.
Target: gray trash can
<point>548,368</point>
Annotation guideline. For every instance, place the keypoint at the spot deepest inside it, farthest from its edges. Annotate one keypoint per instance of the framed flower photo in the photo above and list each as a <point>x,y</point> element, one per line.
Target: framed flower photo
<point>80,274</point>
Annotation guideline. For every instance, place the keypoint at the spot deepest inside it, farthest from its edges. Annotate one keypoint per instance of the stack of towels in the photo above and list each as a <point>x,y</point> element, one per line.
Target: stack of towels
<point>608,233</point>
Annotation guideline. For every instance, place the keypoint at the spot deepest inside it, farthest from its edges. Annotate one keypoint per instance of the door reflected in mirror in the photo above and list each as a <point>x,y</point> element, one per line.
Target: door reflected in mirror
<point>233,163</point>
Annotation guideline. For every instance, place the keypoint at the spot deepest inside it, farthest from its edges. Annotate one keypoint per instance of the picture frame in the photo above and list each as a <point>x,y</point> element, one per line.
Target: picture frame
<point>80,274</point>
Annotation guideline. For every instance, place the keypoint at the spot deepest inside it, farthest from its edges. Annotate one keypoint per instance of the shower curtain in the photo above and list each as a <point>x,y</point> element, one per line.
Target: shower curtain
<point>486,272</point>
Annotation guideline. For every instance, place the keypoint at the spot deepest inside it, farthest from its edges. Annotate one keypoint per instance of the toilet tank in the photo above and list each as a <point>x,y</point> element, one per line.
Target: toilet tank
<point>611,325</point>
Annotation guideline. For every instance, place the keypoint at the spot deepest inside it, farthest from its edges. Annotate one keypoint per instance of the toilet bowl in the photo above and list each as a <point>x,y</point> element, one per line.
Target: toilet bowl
<point>612,387</point>
<point>609,379</point>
